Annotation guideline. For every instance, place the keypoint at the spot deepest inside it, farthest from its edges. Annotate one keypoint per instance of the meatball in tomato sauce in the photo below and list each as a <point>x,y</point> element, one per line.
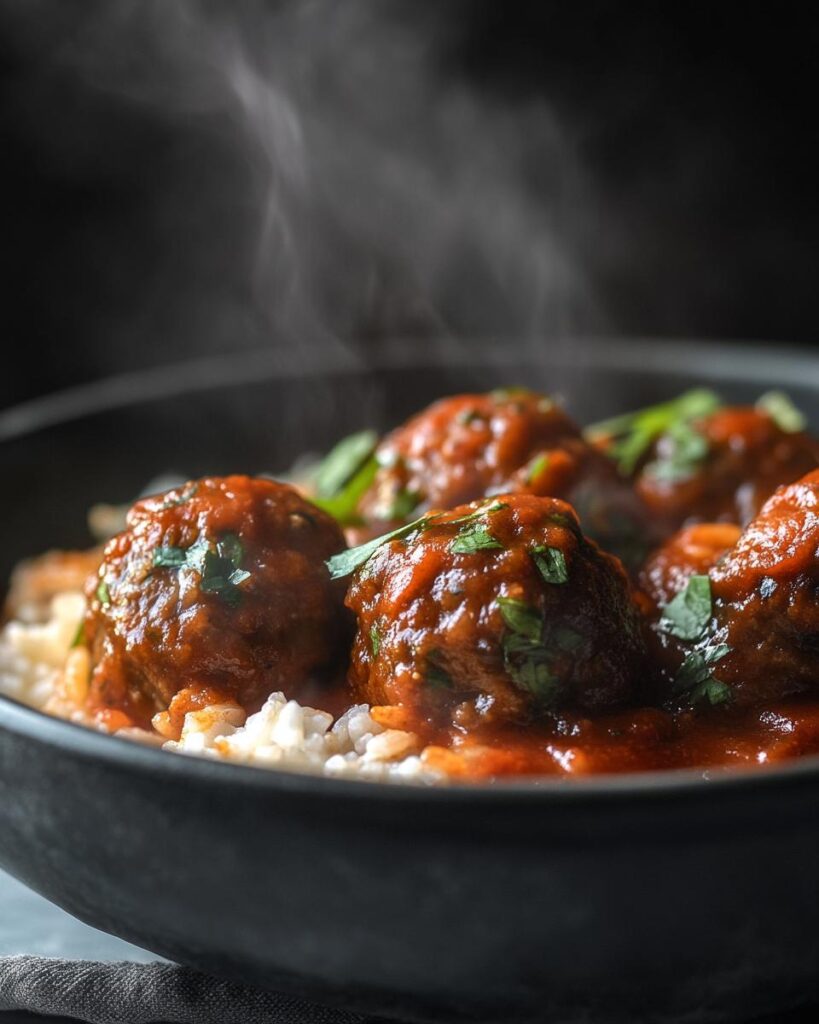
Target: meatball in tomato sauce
<point>722,468</point>
<point>471,446</point>
<point>216,592</point>
<point>766,596</point>
<point>739,623</point>
<point>497,611</point>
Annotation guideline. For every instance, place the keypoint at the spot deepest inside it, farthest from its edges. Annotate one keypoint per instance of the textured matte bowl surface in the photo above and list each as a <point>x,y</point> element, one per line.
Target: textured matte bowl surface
<point>647,897</point>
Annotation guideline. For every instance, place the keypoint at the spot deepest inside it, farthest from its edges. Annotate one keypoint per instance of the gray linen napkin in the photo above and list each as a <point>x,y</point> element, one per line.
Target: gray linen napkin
<point>129,993</point>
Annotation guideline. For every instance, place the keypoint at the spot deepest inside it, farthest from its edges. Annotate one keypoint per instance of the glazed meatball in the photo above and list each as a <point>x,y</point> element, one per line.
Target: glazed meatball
<point>217,591</point>
<point>471,446</point>
<point>722,468</point>
<point>765,598</point>
<point>745,631</point>
<point>500,610</point>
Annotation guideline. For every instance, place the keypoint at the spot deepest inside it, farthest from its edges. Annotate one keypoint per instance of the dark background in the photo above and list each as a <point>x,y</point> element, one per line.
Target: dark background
<point>378,178</point>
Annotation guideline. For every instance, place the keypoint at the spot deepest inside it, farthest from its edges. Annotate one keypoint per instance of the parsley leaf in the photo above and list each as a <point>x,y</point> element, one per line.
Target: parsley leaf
<point>169,558</point>
<point>695,681</point>
<point>404,503</point>
<point>346,562</point>
<point>103,593</point>
<point>536,466</point>
<point>474,538</point>
<point>79,637</point>
<point>551,564</point>
<point>375,640</point>
<point>220,570</point>
<point>342,463</point>
<point>680,452</point>
<point>782,411</point>
<point>343,506</point>
<point>688,614</point>
<point>630,435</point>
<point>521,618</point>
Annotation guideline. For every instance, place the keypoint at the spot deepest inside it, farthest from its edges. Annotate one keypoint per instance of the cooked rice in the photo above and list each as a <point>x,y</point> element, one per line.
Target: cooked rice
<point>39,666</point>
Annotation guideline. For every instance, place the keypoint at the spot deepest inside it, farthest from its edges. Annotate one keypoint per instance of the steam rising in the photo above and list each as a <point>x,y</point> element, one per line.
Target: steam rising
<point>379,196</point>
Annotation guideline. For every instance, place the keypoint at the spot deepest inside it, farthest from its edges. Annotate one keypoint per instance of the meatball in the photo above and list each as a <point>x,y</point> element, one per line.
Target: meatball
<point>765,599</point>
<point>471,446</point>
<point>216,592</point>
<point>745,630</point>
<point>496,611</point>
<point>722,467</point>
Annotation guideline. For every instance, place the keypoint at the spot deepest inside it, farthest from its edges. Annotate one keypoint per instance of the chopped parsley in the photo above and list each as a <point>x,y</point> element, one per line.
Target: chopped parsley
<point>343,506</point>
<point>695,682</point>
<point>525,657</point>
<point>346,562</point>
<point>688,615</point>
<point>103,593</point>
<point>466,417</point>
<point>681,451</point>
<point>169,558</point>
<point>375,640</point>
<point>344,474</point>
<point>79,636</point>
<point>474,538</point>
<point>341,464</point>
<point>521,618</point>
<point>551,564</point>
<point>220,570</point>
<point>404,503</point>
<point>630,435</point>
<point>782,411</point>
<point>508,394</point>
<point>537,465</point>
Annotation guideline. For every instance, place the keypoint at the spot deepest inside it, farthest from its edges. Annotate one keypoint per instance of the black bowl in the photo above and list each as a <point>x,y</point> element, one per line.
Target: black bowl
<point>646,897</point>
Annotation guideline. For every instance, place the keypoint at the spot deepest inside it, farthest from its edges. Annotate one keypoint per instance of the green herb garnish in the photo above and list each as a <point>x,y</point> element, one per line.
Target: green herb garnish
<point>220,570</point>
<point>466,417</point>
<point>342,463</point>
<point>683,451</point>
<point>538,464</point>
<point>551,564</point>
<point>521,618</point>
<point>631,434</point>
<point>79,636</point>
<point>687,616</point>
<point>343,506</point>
<point>103,593</point>
<point>695,681</point>
<point>507,394</point>
<point>782,411</point>
<point>474,538</point>
<point>169,558</point>
<point>346,562</point>
<point>404,503</point>
<point>375,640</point>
